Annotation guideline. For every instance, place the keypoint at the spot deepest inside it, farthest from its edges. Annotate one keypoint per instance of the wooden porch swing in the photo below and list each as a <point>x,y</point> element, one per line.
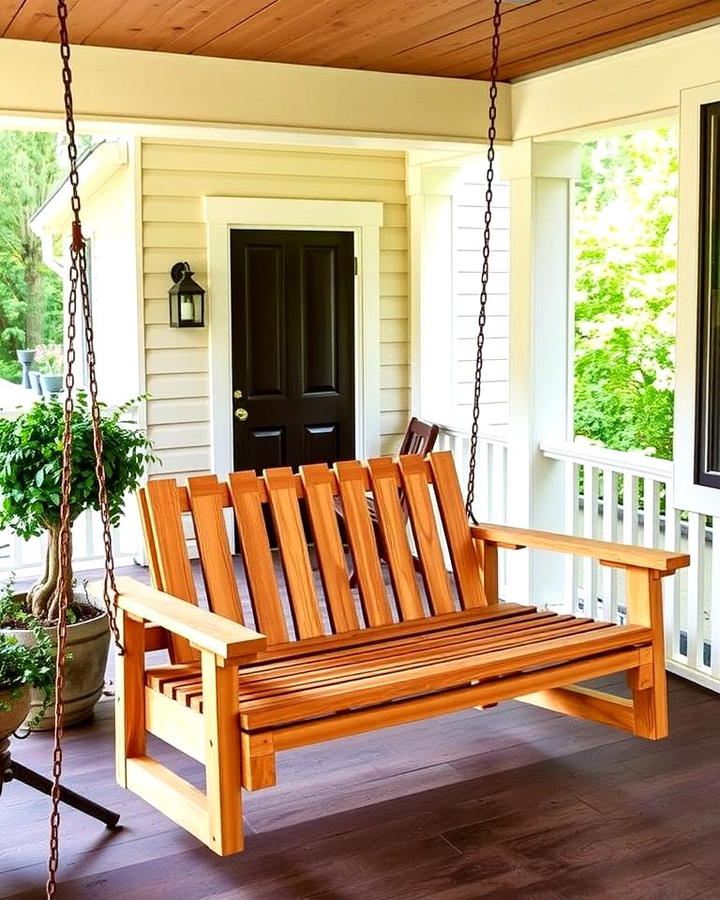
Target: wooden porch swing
<point>322,660</point>
<point>233,697</point>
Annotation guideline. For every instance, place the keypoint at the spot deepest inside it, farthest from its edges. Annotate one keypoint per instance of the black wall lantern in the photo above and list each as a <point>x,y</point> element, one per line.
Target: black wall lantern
<point>187,298</point>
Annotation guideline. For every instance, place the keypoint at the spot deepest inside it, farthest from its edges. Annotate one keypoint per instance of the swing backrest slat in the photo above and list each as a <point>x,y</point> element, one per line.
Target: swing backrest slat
<point>301,590</point>
<point>320,489</point>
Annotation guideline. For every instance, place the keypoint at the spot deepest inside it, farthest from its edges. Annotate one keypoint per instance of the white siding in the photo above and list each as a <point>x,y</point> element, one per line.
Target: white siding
<point>109,222</point>
<point>468,226</point>
<point>175,179</point>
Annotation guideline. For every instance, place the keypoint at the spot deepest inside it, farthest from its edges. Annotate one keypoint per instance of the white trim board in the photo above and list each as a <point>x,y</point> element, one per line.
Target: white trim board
<point>364,220</point>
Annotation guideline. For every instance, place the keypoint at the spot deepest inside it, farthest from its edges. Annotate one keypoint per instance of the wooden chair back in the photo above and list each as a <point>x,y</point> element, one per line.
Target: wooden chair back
<point>419,438</point>
<point>286,602</point>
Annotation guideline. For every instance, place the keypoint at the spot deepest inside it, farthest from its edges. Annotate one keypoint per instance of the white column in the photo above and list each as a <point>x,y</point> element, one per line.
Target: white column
<point>430,191</point>
<point>541,179</point>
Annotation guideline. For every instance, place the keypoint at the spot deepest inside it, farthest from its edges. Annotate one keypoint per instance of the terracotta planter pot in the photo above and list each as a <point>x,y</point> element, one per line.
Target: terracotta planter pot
<point>87,643</point>
<point>12,719</point>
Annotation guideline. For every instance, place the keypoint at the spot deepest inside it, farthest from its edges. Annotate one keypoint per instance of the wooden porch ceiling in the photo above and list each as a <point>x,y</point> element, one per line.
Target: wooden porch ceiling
<point>438,37</point>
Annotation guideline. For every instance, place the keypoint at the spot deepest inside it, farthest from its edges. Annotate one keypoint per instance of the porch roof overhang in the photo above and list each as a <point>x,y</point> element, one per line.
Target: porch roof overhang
<point>450,39</point>
<point>175,96</point>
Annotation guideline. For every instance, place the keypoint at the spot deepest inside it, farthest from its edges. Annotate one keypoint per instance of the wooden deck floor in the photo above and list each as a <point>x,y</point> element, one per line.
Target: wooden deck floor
<point>514,802</point>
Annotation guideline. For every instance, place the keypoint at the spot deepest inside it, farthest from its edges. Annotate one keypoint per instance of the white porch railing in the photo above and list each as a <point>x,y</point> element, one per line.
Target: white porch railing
<point>26,558</point>
<point>629,497</point>
<point>490,473</point>
<point>623,497</point>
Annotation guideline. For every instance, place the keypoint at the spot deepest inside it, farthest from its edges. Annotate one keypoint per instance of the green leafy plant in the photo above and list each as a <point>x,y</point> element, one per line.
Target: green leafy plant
<point>625,292</point>
<point>30,293</point>
<point>31,474</point>
<point>20,665</point>
<point>49,359</point>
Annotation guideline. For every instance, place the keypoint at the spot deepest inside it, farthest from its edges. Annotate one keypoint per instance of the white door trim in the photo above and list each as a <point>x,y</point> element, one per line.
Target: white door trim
<point>363,220</point>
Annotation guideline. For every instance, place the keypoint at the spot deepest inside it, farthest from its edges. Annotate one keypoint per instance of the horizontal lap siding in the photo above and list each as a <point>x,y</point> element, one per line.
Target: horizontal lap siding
<point>468,226</point>
<point>176,178</point>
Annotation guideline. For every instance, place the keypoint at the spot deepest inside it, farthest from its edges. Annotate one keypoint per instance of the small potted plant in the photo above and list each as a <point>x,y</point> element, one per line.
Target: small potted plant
<point>22,667</point>
<point>49,360</point>
<point>30,487</point>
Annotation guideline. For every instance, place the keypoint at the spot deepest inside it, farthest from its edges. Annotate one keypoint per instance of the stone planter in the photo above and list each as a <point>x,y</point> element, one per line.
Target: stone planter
<point>87,643</point>
<point>51,384</point>
<point>25,358</point>
<point>13,718</point>
<point>35,382</point>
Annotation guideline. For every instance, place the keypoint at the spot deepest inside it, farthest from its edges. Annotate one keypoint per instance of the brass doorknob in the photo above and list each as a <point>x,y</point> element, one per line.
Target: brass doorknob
<point>241,414</point>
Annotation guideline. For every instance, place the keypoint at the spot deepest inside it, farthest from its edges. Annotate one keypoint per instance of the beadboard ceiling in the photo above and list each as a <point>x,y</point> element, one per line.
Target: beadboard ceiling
<point>435,37</point>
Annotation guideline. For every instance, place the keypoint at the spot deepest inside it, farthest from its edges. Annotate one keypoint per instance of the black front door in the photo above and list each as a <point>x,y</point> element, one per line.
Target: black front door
<point>292,347</point>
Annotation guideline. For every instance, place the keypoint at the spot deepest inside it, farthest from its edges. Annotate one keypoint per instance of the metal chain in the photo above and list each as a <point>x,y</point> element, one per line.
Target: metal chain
<point>485,276</point>
<point>78,280</point>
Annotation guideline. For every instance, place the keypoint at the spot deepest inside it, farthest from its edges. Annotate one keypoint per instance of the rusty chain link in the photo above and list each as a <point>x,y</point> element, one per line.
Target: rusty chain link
<point>485,275</point>
<point>78,280</point>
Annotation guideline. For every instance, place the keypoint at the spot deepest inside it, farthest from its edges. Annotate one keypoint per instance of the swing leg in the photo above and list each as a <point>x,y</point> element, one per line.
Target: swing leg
<point>649,688</point>
<point>39,783</point>
<point>213,816</point>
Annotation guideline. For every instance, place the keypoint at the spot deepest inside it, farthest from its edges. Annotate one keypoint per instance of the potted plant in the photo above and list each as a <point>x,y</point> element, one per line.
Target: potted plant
<point>49,360</point>
<point>22,667</point>
<point>30,487</point>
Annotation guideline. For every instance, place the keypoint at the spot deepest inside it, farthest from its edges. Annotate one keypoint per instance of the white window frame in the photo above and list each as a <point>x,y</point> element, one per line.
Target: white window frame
<point>687,494</point>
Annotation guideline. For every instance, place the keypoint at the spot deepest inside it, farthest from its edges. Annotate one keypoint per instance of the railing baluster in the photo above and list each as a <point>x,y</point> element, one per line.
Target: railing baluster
<point>503,554</point>
<point>498,490</point>
<point>631,490</point>
<point>694,623</point>
<point>671,587</point>
<point>610,533</point>
<point>590,512</point>
<point>504,457</point>
<point>570,475</point>
<point>651,507</point>
<point>483,481</point>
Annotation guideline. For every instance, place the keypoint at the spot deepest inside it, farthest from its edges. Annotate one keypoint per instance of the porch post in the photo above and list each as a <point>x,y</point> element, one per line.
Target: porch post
<point>430,196</point>
<point>541,179</point>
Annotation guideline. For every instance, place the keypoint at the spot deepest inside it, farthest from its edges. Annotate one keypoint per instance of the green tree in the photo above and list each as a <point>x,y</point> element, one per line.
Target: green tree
<point>626,240</point>
<point>30,294</point>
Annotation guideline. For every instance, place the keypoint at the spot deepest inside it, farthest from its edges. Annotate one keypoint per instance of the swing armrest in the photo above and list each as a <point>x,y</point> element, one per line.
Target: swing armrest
<point>203,629</point>
<point>609,554</point>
